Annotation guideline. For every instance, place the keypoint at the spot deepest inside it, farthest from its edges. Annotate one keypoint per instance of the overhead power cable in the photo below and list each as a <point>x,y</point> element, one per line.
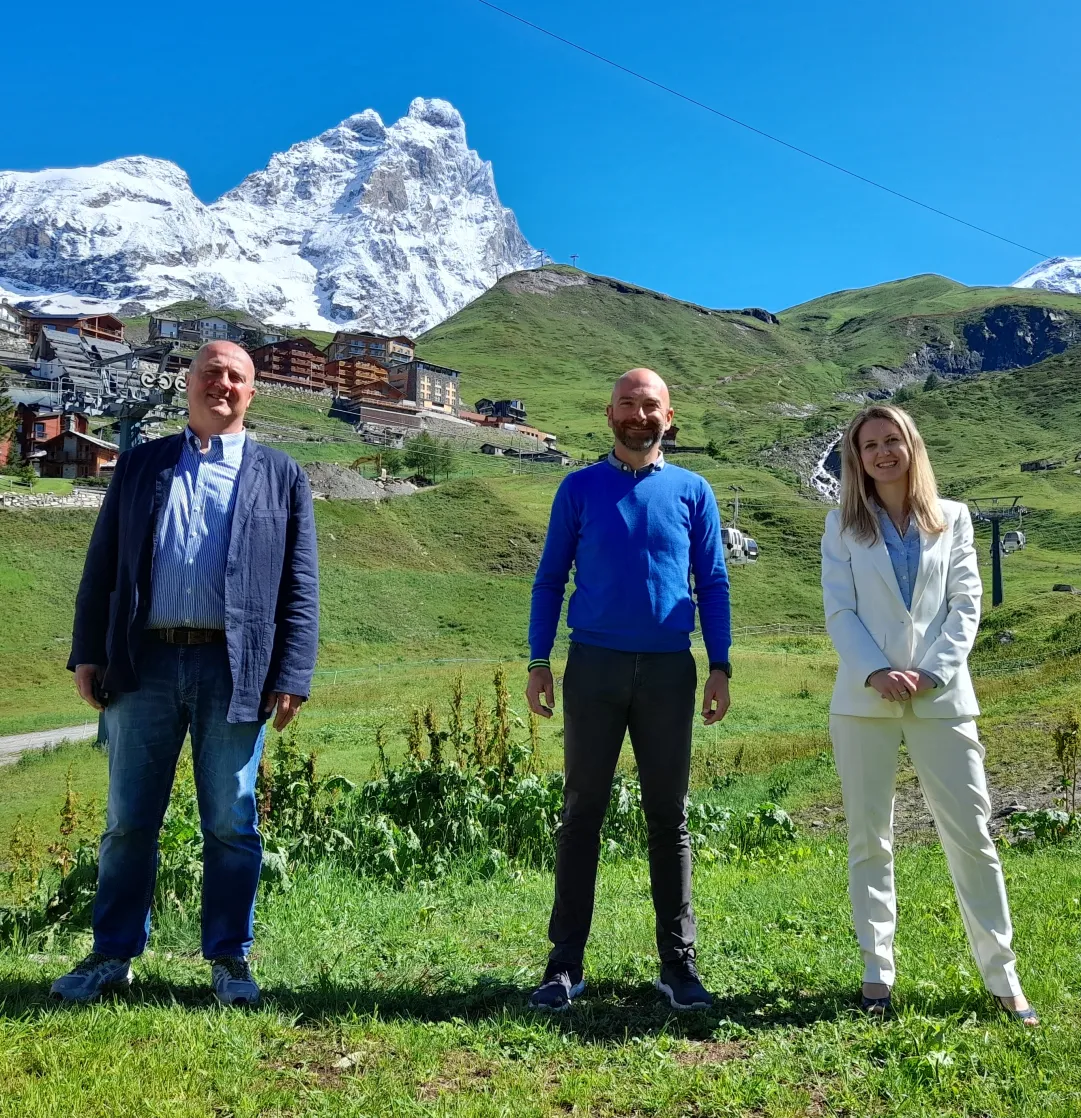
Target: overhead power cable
<point>760,131</point>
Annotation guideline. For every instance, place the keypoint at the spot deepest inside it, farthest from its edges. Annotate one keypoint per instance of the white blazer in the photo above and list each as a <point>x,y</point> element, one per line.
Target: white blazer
<point>871,629</point>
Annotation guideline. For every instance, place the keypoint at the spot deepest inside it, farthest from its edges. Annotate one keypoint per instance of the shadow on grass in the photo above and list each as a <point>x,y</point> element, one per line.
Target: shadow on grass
<point>609,1012</point>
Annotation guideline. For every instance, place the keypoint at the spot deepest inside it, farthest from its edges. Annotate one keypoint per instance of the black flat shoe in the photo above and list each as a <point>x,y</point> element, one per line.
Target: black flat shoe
<point>1027,1017</point>
<point>876,1007</point>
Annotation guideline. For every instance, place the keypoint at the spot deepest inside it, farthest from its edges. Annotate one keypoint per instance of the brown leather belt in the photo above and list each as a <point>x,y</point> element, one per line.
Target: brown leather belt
<point>189,636</point>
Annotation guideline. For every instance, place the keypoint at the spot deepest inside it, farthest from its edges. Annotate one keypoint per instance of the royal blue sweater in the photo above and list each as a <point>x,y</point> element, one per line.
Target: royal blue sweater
<point>635,541</point>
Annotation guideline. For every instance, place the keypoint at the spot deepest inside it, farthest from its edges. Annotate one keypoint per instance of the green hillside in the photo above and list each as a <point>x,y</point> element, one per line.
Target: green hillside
<point>882,325</point>
<point>917,297</point>
<point>445,575</point>
<point>768,393</point>
<point>558,338</point>
<point>1000,419</point>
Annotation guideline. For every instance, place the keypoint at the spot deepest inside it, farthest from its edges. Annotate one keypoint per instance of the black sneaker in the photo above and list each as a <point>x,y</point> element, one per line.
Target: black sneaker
<point>561,984</point>
<point>680,984</point>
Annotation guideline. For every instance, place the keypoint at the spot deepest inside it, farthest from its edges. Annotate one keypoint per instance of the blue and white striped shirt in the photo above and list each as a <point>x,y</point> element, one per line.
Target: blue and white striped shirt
<point>187,587</point>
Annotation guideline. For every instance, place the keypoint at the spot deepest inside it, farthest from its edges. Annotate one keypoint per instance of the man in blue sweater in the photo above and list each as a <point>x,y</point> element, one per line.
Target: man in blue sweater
<point>636,529</point>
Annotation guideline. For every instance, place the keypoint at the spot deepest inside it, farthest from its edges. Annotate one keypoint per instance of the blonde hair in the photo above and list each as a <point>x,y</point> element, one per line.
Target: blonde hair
<point>858,513</point>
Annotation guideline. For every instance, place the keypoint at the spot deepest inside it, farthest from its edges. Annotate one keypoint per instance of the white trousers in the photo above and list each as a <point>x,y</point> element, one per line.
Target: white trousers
<point>948,758</point>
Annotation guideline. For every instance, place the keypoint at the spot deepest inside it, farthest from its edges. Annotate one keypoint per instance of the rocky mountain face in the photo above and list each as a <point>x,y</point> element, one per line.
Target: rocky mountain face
<point>393,228</point>
<point>1005,336</point>
<point>1060,273</point>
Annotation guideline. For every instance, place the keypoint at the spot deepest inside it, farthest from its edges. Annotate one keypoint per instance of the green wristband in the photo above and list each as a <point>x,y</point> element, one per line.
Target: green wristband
<point>540,662</point>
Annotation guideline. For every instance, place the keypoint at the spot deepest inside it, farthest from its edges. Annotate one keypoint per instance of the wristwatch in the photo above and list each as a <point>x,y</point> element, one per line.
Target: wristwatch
<point>721,666</point>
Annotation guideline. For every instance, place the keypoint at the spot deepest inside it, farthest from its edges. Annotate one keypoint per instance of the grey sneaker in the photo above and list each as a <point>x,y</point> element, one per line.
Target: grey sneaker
<point>95,975</point>
<point>233,983</point>
<point>680,983</point>
<point>561,984</point>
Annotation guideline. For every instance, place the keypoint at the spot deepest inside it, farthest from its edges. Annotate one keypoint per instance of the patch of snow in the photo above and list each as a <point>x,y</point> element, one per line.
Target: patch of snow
<point>1060,273</point>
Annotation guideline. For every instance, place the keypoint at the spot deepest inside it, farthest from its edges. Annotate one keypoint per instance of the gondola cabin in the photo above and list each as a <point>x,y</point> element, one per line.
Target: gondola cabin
<point>738,548</point>
<point>1013,541</point>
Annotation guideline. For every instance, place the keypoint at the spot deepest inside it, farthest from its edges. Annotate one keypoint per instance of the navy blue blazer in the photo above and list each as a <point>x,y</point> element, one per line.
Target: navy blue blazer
<point>271,575</point>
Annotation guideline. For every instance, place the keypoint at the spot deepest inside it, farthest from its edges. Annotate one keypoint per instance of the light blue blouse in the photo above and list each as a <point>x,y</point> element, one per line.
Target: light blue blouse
<point>904,552</point>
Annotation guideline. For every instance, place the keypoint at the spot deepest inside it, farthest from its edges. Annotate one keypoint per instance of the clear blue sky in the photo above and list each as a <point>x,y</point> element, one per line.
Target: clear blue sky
<point>970,104</point>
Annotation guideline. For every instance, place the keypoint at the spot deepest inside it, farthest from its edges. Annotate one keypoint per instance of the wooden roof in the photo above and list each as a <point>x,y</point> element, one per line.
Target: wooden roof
<point>73,318</point>
<point>85,437</point>
<point>291,343</point>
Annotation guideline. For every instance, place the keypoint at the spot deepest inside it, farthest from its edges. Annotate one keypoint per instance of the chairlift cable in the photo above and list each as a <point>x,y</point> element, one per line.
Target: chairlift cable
<point>761,132</point>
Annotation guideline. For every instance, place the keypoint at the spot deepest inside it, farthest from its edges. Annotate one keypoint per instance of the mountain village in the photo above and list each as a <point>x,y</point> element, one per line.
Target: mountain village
<point>70,368</point>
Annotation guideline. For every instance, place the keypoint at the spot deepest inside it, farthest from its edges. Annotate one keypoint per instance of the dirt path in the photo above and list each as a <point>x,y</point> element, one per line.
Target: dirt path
<point>12,747</point>
<point>1027,783</point>
<point>1012,787</point>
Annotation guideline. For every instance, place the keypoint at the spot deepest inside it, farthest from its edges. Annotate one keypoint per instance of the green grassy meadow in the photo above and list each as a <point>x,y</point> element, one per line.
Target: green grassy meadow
<point>383,1002</point>
<point>390,1000</point>
<point>40,485</point>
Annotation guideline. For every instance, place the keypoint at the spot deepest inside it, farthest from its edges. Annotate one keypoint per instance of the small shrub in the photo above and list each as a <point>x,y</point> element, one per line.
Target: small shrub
<point>779,788</point>
<point>1044,827</point>
<point>457,733</point>
<point>390,460</point>
<point>429,457</point>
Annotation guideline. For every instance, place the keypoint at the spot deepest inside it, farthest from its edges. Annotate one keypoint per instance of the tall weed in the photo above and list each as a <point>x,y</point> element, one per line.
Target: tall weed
<point>459,794</point>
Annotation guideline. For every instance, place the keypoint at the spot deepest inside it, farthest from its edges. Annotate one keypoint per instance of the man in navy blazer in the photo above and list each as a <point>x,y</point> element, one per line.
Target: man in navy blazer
<point>198,612</point>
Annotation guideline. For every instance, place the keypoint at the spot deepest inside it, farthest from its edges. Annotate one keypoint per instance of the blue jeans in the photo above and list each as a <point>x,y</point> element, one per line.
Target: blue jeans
<point>182,688</point>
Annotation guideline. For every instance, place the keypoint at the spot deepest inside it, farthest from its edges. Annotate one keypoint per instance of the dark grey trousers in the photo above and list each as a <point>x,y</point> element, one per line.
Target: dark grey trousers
<point>605,694</point>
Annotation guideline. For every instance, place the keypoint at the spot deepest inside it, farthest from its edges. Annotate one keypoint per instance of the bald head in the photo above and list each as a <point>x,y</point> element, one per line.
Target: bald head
<point>636,381</point>
<point>221,385</point>
<point>222,351</point>
<point>640,413</point>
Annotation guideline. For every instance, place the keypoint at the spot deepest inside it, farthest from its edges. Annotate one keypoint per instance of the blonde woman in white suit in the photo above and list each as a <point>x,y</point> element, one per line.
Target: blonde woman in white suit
<point>902,594</point>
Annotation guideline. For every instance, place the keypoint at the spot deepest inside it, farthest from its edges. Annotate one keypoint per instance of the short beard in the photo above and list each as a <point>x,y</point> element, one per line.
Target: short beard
<point>637,443</point>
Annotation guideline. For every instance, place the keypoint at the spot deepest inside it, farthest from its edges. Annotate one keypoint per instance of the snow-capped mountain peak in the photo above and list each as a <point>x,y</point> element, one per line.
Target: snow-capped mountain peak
<point>1060,273</point>
<point>389,227</point>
